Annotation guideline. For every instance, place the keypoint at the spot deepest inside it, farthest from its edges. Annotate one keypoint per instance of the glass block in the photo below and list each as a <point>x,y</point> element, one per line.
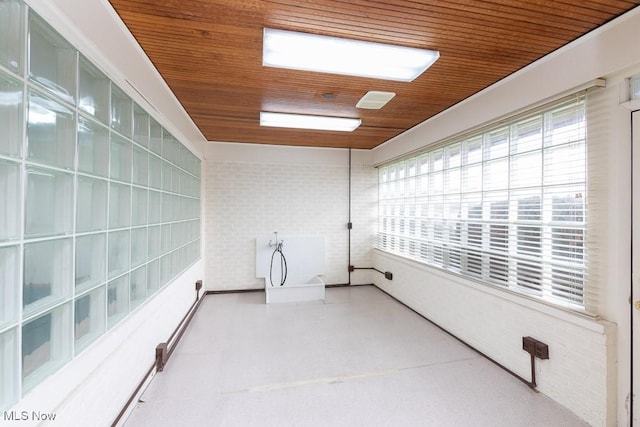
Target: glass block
<point>472,150</point>
<point>51,132</point>
<point>138,286</point>
<point>565,203</point>
<point>94,91</point>
<point>195,188</point>
<point>526,135</point>
<point>526,170</point>
<point>121,111</point>
<point>93,148</point>
<point>117,300</point>
<point>46,345</point>
<point>197,250</point>
<point>10,112</point>
<point>167,175</point>
<point>182,212</point>
<point>194,230</point>
<point>176,235</point>
<point>155,172</point>
<point>565,164</point>
<point>153,276</point>
<point>189,160</point>
<point>496,144</point>
<point>118,261</point>
<point>91,261</point>
<point>119,205</point>
<point>165,238</point>
<point>120,158</point>
<point>153,239</point>
<point>181,152</point>
<point>12,34</point>
<point>90,318</point>
<point>140,167</point>
<point>91,211</point>
<point>155,207</point>
<point>472,178</point>
<point>138,246</point>
<point>165,270</point>
<point>198,167</point>
<point>185,184</point>
<point>9,282</point>
<point>167,207</point>
<point>10,208</point>
<point>49,202</point>
<point>496,174</point>
<point>140,205</point>
<point>9,380</point>
<point>195,208</point>
<point>168,146</point>
<point>566,124</point>
<point>174,259</point>
<point>155,136</point>
<point>176,180</point>
<point>48,274</point>
<point>52,60</point>
<point>140,126</point>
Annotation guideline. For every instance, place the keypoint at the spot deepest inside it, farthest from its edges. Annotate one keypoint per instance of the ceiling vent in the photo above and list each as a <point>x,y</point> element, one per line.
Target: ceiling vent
<point>375,100</point>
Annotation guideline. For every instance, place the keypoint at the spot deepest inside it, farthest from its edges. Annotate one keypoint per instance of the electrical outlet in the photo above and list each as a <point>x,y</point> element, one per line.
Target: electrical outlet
<point>535,347</point>
<point>198,285</point>
<point>388,275</point>
<point>529,345</point>
<point>542,350</point>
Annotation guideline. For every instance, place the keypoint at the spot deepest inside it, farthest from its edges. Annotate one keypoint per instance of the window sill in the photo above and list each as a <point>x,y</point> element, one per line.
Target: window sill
<point>587,321</point>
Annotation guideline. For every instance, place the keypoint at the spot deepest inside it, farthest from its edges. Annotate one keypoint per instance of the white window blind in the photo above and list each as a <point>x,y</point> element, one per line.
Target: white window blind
<point>506,205</point>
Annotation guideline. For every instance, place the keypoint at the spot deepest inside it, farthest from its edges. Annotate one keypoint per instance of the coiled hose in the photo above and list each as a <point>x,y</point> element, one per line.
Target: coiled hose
<point>283,265</point>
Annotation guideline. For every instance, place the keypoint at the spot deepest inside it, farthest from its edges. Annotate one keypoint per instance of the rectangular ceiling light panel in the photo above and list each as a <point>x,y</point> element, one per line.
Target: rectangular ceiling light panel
<point>310,52</point>
<point>301,121</point>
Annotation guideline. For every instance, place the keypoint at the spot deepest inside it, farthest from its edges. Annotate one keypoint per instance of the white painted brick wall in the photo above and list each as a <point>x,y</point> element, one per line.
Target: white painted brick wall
<point>244,200</point>
<point>581,371</point>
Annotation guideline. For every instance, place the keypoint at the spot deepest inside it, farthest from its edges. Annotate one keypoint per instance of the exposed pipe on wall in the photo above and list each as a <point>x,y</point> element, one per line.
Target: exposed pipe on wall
<point>163,352</point>
<point>634,114</point>
<point>524,380</point>
<point>349,223</point>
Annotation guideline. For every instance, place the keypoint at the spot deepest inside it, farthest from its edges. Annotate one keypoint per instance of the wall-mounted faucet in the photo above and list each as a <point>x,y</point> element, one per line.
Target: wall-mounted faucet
<point>278,243</point>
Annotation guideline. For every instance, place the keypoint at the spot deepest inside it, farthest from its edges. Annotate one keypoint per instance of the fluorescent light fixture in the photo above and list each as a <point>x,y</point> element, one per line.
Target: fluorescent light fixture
<point>301,121</point>
<point>309,52</point>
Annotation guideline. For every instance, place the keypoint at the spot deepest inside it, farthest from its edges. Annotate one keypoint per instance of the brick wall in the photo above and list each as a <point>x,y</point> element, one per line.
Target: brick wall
<point>246,199</point>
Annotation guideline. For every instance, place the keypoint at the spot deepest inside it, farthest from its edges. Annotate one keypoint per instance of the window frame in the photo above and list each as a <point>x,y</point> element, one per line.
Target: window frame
<point>522,233</point>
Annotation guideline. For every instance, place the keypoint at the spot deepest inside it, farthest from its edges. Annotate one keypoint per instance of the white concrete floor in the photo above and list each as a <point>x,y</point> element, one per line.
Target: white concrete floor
<point>358,359</point>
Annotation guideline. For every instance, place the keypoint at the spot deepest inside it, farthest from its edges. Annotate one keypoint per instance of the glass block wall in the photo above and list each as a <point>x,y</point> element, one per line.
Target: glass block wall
<point>100,203</point>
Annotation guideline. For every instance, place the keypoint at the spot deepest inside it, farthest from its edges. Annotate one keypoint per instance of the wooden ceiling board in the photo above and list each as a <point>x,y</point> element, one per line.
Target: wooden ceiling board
<point>210,54</point>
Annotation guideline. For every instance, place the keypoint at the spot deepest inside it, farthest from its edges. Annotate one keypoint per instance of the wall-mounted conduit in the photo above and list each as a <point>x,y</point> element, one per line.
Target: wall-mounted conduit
<point>349,223</point>
<point>524,380</point>
<point>387,274</point>
<point>163,352</point>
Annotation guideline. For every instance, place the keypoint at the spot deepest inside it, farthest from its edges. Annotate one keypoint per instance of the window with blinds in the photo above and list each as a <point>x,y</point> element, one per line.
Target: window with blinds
<point>505,205</point>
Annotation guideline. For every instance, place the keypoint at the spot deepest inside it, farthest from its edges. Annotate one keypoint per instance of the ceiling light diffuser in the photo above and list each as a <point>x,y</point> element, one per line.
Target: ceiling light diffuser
<point>310,52</point>
<point>301,121</point>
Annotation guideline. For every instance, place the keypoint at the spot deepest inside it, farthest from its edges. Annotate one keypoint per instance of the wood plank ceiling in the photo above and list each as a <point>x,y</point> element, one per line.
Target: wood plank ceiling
<point>210,54</point>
